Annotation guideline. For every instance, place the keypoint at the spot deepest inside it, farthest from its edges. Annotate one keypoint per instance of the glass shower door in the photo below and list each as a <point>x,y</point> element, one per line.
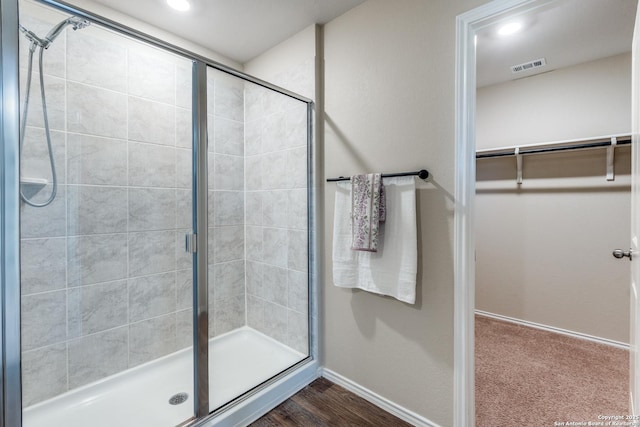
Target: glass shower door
<point>258,235</point>
<point>106,178</point>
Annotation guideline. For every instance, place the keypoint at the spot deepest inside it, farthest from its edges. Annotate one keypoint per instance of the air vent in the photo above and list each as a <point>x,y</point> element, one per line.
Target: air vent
<point>528,65</point>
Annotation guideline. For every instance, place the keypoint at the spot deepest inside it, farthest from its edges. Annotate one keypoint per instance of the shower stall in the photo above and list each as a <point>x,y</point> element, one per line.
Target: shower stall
<point>157,229</point>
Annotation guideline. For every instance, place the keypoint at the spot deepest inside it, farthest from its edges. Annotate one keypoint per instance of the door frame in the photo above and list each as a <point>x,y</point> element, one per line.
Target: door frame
<point>467,26</point>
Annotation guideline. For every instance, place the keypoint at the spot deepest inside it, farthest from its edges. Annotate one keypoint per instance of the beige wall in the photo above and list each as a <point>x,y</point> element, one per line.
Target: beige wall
<point>544,247</point>
<point>586,100</point>
<point>389,86</point>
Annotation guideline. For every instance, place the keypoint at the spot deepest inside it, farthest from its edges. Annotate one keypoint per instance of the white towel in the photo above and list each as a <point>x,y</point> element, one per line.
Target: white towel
<point>393,269</point>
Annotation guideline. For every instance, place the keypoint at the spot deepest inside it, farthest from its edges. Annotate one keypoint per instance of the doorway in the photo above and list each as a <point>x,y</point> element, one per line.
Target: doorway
<point>504,209</point>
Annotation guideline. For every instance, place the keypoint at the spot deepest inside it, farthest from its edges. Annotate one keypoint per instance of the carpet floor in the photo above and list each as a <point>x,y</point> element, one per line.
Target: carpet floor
<point>528,377</point>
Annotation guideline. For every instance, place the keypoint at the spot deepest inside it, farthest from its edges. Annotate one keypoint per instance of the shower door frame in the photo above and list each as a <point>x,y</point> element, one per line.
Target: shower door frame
<point>247,407</point>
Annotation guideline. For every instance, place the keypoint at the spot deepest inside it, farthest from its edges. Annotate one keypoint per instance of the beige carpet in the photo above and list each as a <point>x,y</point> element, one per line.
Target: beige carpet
<point>529,377</point>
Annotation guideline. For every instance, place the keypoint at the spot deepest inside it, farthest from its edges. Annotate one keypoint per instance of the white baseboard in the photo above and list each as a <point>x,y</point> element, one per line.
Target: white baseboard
<point>381,402</point>
<point>561,331</point>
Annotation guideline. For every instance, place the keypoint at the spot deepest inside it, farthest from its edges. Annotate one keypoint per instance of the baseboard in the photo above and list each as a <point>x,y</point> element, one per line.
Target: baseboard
<point>381,402</point>
<point>561,331</point>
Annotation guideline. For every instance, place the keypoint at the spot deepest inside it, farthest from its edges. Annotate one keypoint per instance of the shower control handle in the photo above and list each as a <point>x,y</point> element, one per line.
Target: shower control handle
<point>619,253</point>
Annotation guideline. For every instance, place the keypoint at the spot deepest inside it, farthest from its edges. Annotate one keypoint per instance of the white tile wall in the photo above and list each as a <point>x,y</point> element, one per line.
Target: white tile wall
<point>276,212</point>
<point>106,283</point>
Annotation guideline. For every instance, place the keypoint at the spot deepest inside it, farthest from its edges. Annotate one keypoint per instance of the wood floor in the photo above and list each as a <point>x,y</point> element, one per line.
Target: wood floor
<point>325,404</point>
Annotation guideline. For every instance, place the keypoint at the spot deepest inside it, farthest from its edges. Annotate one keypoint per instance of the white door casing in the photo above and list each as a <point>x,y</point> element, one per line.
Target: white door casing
<point>467,26</point>
<point>634,339</point>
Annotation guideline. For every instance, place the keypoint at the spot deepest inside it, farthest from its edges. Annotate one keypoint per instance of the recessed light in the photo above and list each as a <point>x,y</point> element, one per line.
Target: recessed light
<point>510,28</point>
<point>181,5</point>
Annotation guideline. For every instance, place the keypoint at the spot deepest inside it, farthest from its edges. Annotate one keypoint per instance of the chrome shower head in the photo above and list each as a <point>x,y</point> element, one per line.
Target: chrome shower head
<point>75,22</point>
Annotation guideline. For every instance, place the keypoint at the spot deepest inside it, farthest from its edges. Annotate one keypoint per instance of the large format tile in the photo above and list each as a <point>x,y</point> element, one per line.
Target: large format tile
<point>229,137</point>
<point>55,95</point>
<point>184,329</point>
<point>96,308</point>
<point>151,252</point>
<point>184,168</point>
<point>253,212</point>
<point>229,279</point>
<point>184,128</point>
<point>229,99</point>
<point>95,111</point>
<point>274,176</point>
<point>184,208</point>
<point>275,321</point>
<point>43,265</point>
<point>96,210</point>
<point>274,208</point>
<point>275,247</point>
<point>253,175</point>
<point>94,357</point>
<point>151,165</point>
<point>152,209</point>
<point>253,137</point>
<point>44,373</point>
<point>184,289</point>
<point>228,243</point>
<point>228,208</point>
<point>152,296</point>
<point>48,221</point>
<point>298,250</point>
<point>297,213</point>
<point>151,339</point>
<point>183,85</point>
<point>44,319</point>
<point>274,282</point>
<point>94,259</point>
<point>297,332</point>
<point>96,161</point>
<point>35,161</point>
<point>255,243</point>
<point>229,314</point>
<point>298,291</point>
<point>255,312</point>
<point>151,121</point>
<point>254,279</point>
<point>296,168</point>
<point>151,77</point>
<point>228,173</point>
<point>96,61</point>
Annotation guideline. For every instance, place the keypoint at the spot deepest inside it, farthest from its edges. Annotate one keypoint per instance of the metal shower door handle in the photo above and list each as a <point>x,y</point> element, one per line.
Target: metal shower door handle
<point>619,253</point>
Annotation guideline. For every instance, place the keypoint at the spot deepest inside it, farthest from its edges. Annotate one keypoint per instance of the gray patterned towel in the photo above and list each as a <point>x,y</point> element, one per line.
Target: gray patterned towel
<point>368,211</point>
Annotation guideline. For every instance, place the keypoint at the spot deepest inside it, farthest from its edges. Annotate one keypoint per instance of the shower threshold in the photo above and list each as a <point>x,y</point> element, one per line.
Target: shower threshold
<point>238,361</point>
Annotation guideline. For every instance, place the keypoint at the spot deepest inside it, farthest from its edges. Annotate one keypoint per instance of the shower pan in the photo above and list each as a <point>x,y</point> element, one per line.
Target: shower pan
<point>164,271</point>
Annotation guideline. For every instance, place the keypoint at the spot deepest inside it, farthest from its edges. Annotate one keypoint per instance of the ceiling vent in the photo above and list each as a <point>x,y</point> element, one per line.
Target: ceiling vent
<point>528,65</point>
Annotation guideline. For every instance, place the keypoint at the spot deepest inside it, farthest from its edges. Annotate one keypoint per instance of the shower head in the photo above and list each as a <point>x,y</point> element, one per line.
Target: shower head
<point>75,22</point>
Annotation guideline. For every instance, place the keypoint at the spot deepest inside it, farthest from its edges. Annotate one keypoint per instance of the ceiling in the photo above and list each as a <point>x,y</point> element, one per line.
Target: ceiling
<point>564,32</point>
<point>237,29</point>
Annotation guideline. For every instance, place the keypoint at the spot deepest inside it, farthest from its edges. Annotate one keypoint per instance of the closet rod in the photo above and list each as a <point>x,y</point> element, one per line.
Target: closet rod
<point>422,174</point>
<point>626,140</point>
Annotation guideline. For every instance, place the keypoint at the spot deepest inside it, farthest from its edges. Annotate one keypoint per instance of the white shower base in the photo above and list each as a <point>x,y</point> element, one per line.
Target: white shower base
<point>238,361</point>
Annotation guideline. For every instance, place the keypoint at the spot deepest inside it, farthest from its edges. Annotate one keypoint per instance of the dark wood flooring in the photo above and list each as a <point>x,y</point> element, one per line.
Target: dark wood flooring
<point>325,404</point>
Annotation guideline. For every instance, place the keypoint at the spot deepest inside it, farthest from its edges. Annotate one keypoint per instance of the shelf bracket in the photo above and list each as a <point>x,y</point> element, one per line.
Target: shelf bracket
<point>610,159</point>
<point>518,166</point>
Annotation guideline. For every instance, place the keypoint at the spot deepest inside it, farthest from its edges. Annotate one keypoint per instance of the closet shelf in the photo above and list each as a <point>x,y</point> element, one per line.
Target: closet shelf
<point>549,147</point>
<point>610,142</point>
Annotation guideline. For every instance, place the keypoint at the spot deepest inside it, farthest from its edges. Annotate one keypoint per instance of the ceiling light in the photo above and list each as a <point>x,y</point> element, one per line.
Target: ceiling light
<point>181,5</point>
<point>509,29</point>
